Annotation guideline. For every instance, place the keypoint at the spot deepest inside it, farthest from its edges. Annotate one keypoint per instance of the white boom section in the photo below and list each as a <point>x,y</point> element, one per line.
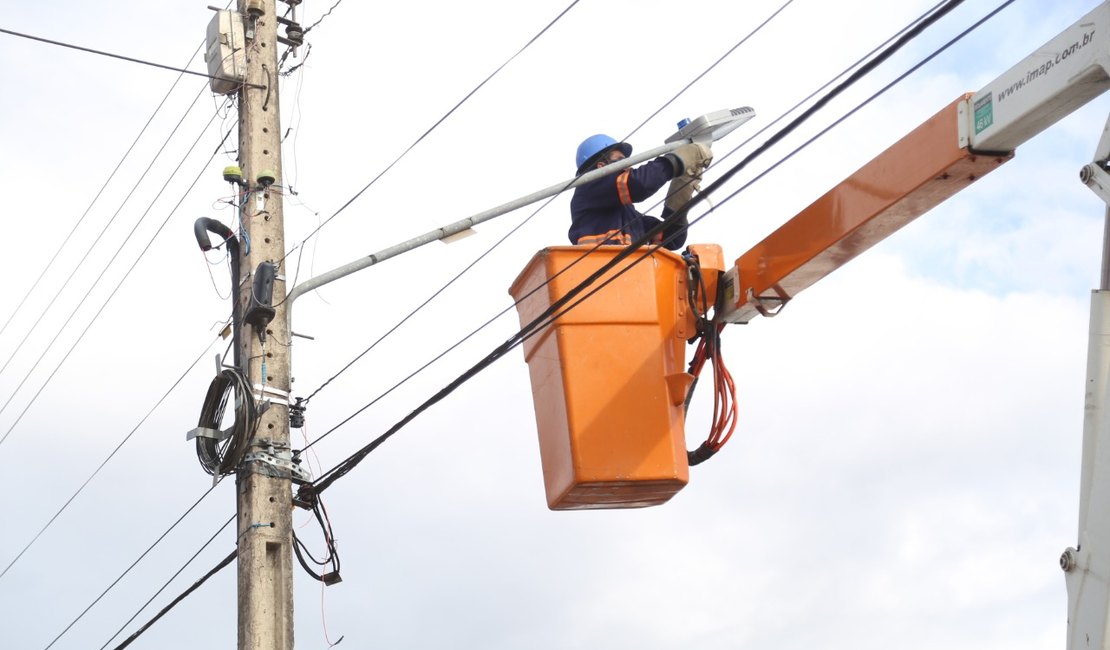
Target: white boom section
<point>1087,567</point>
<point>1059,77</point>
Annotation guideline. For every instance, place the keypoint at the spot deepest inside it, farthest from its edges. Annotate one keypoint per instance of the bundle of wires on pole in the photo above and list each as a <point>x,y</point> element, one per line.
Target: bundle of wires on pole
<point>220,450</point>
<point>330,559</point>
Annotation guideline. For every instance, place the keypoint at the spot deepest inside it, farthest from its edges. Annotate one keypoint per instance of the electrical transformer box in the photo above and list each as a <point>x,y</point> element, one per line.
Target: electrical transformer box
<point>225,53</point>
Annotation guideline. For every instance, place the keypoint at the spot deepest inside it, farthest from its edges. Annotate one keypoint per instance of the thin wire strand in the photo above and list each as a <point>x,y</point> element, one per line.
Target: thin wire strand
<point>133,564</point>
<point>92,203</point>
<point>108,458</point>
<point>438,122</point>
<point>864,103</point>
<point>526,220</point>
<point>698,78</point>
<point>116,289</point>
<point>167,583</point>
<point>585,253</point>
<point>120,56</point>
<point>185,594</point>
<point>321,18</point>
<point>92,246</point>
<point>559,307</point>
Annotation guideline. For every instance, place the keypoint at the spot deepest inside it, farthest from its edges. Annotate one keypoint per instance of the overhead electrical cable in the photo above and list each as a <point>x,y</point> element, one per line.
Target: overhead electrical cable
<point>100,235</point>
<point>332,475</point>
<point>321,18</point>
<point>118,285</point>
<point>574,262</point>
<point>500,241</point>
<point>122,57</point>
<point>551,317</point>
<point>108,458</point>
<point>559,308</point>
<point>345,467</point>
<point>307,46</point>
<point>724,56</point>
<point>720,159</point>
<point>80,220</point>
<point>133,565</point>
<point>859,106</point>
<point>196,585</point>
<point>438,122</point>
<point>167,584</point>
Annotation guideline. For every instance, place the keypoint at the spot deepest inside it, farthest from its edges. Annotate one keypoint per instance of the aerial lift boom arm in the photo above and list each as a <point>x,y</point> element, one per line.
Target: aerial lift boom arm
<point>967,139</point>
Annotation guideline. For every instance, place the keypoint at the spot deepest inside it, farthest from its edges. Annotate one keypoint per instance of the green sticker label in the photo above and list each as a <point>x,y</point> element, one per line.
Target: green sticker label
<point>984,113</point>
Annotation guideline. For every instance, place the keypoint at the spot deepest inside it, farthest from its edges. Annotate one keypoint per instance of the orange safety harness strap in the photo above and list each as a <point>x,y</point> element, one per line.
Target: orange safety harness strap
<point>615,236</point>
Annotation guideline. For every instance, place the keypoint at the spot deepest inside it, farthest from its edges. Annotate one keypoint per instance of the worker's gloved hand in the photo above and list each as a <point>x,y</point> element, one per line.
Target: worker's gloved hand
<point>695,159</point>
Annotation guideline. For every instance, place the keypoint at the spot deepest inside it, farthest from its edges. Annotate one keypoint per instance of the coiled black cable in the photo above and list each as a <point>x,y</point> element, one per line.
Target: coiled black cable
<point>216,456</point>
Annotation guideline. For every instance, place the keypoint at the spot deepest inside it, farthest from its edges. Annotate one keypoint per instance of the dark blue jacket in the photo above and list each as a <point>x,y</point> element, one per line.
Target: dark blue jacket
<point>603,209</point>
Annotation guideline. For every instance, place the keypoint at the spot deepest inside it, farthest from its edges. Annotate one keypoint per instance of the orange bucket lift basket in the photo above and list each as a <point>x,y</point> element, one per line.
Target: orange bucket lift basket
<point>608,376</point>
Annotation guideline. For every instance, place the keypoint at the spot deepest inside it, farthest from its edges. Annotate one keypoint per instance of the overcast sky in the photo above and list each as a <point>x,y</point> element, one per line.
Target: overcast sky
<point>906,468</point>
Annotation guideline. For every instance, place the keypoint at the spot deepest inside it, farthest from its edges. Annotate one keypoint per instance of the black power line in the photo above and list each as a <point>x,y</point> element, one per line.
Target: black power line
<point>551,314</point>
<point>437,123</point>
<point>585,253</point>
<point>724,56</point>
<point>227,560</point>
<point>118,285</point>
<point>859,106</point>
<point>183,595</point>
<point>513,231</point>
<point>557,307</point>
<point>95,198</point>
<point>105,461</point>
<point>122,57</point>
<point>92,246</point>
<point>321,18</point>
<point>132,566</point>
<point>196,585</point>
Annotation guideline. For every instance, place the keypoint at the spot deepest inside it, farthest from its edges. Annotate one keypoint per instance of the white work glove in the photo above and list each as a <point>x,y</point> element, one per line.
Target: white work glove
<point>695,159</point>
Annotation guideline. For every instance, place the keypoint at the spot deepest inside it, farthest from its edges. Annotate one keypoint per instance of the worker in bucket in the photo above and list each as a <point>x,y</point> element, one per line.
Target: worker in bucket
<point>602,211</point>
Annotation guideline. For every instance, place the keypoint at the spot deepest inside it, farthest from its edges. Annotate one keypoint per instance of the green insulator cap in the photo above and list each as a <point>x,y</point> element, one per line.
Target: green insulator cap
<point>232,174</point>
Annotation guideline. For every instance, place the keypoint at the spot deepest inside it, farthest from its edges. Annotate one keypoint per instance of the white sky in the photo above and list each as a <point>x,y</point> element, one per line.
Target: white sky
<point>905,473</point>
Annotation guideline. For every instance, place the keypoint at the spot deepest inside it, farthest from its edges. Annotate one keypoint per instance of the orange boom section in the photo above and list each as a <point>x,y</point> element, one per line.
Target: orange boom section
<point>915,174</point>
<point>608,381</point>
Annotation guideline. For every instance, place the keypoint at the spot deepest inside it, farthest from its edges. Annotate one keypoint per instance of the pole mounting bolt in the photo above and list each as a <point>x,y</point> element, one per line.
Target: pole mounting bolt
<point>1068,560</point>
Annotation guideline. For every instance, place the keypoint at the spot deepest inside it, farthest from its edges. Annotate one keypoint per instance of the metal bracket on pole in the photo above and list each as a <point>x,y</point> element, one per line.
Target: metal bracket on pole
<point>269,394</point>
<point>277,460</point>
<point>205,432</point>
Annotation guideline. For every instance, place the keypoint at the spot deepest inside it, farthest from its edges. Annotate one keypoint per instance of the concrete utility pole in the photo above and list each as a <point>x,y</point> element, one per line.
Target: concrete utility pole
<point>263,487</point>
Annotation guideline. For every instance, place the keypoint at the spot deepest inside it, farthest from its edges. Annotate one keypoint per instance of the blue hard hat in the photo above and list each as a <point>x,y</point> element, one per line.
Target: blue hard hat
<point>594,147</point>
